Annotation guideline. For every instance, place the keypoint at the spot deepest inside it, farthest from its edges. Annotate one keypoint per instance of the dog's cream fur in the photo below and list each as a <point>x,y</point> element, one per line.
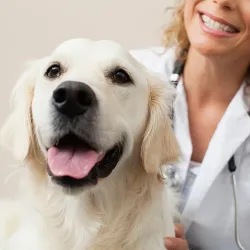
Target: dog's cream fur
<point>129,210</point>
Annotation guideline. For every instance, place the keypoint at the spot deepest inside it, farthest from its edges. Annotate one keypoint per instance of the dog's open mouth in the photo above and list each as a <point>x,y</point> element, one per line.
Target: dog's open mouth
<point>73,162</point>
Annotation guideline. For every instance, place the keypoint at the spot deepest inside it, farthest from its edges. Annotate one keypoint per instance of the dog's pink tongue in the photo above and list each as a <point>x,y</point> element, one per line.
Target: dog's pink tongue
<point>75,163</point>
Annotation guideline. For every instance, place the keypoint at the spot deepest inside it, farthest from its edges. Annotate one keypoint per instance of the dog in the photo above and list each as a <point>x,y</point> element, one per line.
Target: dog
<point>91,125</point>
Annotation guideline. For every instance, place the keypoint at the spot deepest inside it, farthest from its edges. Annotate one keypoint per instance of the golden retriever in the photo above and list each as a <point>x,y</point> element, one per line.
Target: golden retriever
<point>91,125</point>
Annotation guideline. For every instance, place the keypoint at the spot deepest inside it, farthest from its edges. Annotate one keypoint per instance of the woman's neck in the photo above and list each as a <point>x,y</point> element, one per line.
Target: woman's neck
<point>212,79</point>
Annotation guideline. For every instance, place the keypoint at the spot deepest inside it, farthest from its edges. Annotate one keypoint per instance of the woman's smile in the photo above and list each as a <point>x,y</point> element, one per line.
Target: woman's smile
<point>217,27</point>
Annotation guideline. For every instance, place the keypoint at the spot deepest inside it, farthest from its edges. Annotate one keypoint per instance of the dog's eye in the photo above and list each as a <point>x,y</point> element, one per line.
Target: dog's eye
<point>121,76</point>
<point>54,71</point>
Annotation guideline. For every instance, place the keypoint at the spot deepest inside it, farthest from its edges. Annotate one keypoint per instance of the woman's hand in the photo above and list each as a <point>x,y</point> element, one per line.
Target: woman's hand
<point>178,242</point>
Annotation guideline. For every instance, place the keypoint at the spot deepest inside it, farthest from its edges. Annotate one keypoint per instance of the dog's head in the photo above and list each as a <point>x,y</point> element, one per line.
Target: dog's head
<point>85,107</point>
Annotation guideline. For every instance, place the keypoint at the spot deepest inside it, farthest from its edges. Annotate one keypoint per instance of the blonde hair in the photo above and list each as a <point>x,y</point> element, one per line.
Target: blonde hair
<point>175,34</point>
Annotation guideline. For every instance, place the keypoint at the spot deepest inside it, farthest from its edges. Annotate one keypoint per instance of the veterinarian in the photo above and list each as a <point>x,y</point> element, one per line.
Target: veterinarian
<point>207,58</point>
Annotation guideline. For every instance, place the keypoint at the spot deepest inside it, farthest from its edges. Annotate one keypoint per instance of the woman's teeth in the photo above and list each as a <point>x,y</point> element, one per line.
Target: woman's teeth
<point>210,23</point>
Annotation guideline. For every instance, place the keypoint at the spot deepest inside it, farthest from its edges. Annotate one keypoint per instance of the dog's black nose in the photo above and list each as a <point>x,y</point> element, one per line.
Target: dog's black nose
<point>73,98</point>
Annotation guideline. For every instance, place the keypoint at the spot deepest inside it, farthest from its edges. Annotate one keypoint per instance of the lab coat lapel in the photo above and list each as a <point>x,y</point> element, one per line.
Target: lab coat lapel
<point>232,130</point>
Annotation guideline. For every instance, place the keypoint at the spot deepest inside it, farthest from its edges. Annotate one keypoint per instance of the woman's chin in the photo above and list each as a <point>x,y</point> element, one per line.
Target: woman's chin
<point>208,45</point>
<point>210,49</point>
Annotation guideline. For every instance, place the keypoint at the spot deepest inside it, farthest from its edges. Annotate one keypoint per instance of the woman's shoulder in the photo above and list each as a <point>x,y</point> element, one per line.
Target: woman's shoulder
<point>156,59</point>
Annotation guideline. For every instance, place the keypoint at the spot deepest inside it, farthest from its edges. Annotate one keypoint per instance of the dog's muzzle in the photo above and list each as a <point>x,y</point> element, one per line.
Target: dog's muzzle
<point>75,158</point>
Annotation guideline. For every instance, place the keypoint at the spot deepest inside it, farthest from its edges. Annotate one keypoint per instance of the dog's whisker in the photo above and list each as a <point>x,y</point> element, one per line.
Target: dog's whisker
<point>8,178</point>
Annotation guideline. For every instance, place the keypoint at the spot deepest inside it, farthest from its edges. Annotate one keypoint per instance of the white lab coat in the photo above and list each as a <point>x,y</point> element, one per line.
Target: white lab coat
<point>208,216</point>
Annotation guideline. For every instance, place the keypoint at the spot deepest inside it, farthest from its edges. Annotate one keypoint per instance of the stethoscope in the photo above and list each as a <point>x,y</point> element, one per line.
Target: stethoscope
<point>174,179</point>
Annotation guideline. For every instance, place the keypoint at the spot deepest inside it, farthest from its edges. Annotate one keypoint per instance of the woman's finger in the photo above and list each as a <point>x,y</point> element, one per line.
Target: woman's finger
<point>176,244</point>
<point>179,231</point>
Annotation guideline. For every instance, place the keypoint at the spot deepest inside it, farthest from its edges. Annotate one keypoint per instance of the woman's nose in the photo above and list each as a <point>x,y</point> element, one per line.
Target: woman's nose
<point>226,4</point>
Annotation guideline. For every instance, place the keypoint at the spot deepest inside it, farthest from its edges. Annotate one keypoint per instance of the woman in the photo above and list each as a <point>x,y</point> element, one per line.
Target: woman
<point>211,120</point>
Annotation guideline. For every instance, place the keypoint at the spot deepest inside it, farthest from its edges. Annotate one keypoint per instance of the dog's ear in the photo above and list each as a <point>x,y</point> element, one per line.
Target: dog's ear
<point>16,132</point>
<point>159,145</point>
